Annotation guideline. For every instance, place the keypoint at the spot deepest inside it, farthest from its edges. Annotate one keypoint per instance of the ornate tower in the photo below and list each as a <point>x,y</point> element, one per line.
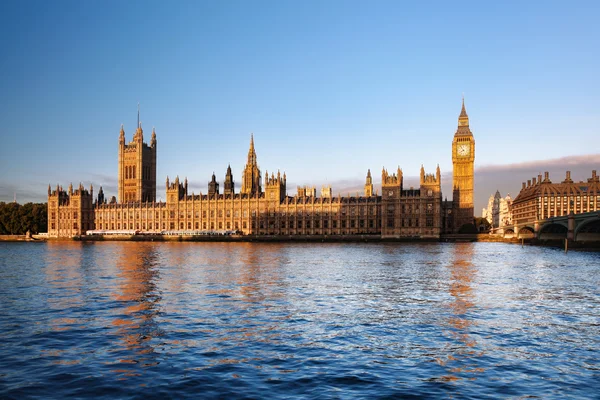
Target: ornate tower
<point>137,167</point>
<point>431,184</point>
<point>228,185</point>
<point>391,193</point>
<point>176,191</point>
<point>369,185</point>
<point>213,186</point>
<point>275,186</point>
<point>463,158</point>
<point>101,199</point>
<point>71,212</point>
<point>251,176</point>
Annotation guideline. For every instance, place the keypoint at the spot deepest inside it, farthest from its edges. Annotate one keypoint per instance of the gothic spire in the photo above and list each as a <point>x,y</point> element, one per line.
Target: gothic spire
<point>251,151</point>
<point>229,186</point>
<point>251,176</point>
<point>463,111</point>
<point>463,121</point>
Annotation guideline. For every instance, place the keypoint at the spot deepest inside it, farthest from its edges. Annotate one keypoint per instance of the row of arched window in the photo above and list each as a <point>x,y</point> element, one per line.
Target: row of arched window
<point>130,172</point>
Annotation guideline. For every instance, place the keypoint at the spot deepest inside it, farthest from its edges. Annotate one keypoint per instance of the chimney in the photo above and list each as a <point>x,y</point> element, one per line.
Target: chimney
<point>528,182</point>
<point>540,178</point>
<point>522,188</point>
<point>568,178</point>
<point>546,176</point>
<point>593,174</point>
<point>533,181</point>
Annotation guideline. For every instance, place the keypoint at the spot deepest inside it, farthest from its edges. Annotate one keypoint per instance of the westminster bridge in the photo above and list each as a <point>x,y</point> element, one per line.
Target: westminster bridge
<point>583,227</point>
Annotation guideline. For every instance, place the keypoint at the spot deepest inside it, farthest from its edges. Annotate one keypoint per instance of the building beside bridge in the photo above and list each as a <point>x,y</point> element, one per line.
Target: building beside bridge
<point>541,199</point>
<point>562,210</point>
<point>263,206</point>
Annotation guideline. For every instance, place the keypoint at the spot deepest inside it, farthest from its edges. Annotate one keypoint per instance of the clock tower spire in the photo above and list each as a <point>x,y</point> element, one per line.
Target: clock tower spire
<point>463,158</point>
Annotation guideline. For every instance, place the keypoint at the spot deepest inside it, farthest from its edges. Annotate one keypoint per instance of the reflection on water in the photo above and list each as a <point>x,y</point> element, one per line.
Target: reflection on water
<point>462,361</point>
<point>136,292</point>
<point>227,320</point>
<point>63,273</point>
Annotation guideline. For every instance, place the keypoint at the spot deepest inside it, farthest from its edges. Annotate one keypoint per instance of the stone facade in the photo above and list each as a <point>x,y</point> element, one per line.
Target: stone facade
<point>399,212</point>
<point>411,212</point>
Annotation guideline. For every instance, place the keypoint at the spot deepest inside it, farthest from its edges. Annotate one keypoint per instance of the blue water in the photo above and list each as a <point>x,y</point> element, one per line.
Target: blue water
<point>327,321</point>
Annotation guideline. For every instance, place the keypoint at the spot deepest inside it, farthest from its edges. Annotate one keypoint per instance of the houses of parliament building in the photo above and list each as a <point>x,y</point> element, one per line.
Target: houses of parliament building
<point>262,207</point>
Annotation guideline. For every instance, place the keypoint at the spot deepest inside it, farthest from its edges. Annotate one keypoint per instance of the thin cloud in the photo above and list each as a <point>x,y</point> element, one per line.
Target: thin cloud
<point>507,178</point>
<point>23,193</point>
<point>577,161</point>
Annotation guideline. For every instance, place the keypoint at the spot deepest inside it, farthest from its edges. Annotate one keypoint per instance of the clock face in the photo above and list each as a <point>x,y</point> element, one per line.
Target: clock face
<point>463,150</point>
<point>391,193</point>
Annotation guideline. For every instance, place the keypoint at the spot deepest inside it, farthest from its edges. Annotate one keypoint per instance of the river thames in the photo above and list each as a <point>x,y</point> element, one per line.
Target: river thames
<point>328,321</point>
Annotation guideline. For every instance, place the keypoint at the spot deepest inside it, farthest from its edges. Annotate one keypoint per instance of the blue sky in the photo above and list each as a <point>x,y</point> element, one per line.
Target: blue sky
<point>329,89</point>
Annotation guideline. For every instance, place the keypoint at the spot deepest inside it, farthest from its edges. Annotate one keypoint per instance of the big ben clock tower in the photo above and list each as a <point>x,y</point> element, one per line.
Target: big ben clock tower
<point>463,158</point>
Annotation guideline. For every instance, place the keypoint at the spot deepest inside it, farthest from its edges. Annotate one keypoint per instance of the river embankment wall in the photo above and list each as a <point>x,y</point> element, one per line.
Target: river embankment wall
<point>20,238</point>
<point>453,238</point>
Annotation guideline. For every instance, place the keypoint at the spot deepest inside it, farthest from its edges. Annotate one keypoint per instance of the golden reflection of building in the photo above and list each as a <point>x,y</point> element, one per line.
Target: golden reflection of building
<point>254,279</point>
<point>247,284</point>
<point>260,266</point>
<point>243,271</point>
<point>462,274</point>
<point>138,296</point>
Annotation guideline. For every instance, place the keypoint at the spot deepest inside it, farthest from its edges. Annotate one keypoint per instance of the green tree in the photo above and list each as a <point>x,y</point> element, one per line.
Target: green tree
<point>16,219</point>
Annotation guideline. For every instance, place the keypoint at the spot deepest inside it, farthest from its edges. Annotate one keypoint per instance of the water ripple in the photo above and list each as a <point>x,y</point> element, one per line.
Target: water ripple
<point>328,321</point>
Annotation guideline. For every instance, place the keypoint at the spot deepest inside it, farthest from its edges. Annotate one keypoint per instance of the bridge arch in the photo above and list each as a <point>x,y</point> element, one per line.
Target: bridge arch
<point>553,230</point>
<point>509,233</point>
<point>526,232</point>
<point>588,230</point>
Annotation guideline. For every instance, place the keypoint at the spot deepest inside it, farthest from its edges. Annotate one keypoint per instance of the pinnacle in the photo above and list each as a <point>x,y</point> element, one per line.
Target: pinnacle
<point>463,111</point>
